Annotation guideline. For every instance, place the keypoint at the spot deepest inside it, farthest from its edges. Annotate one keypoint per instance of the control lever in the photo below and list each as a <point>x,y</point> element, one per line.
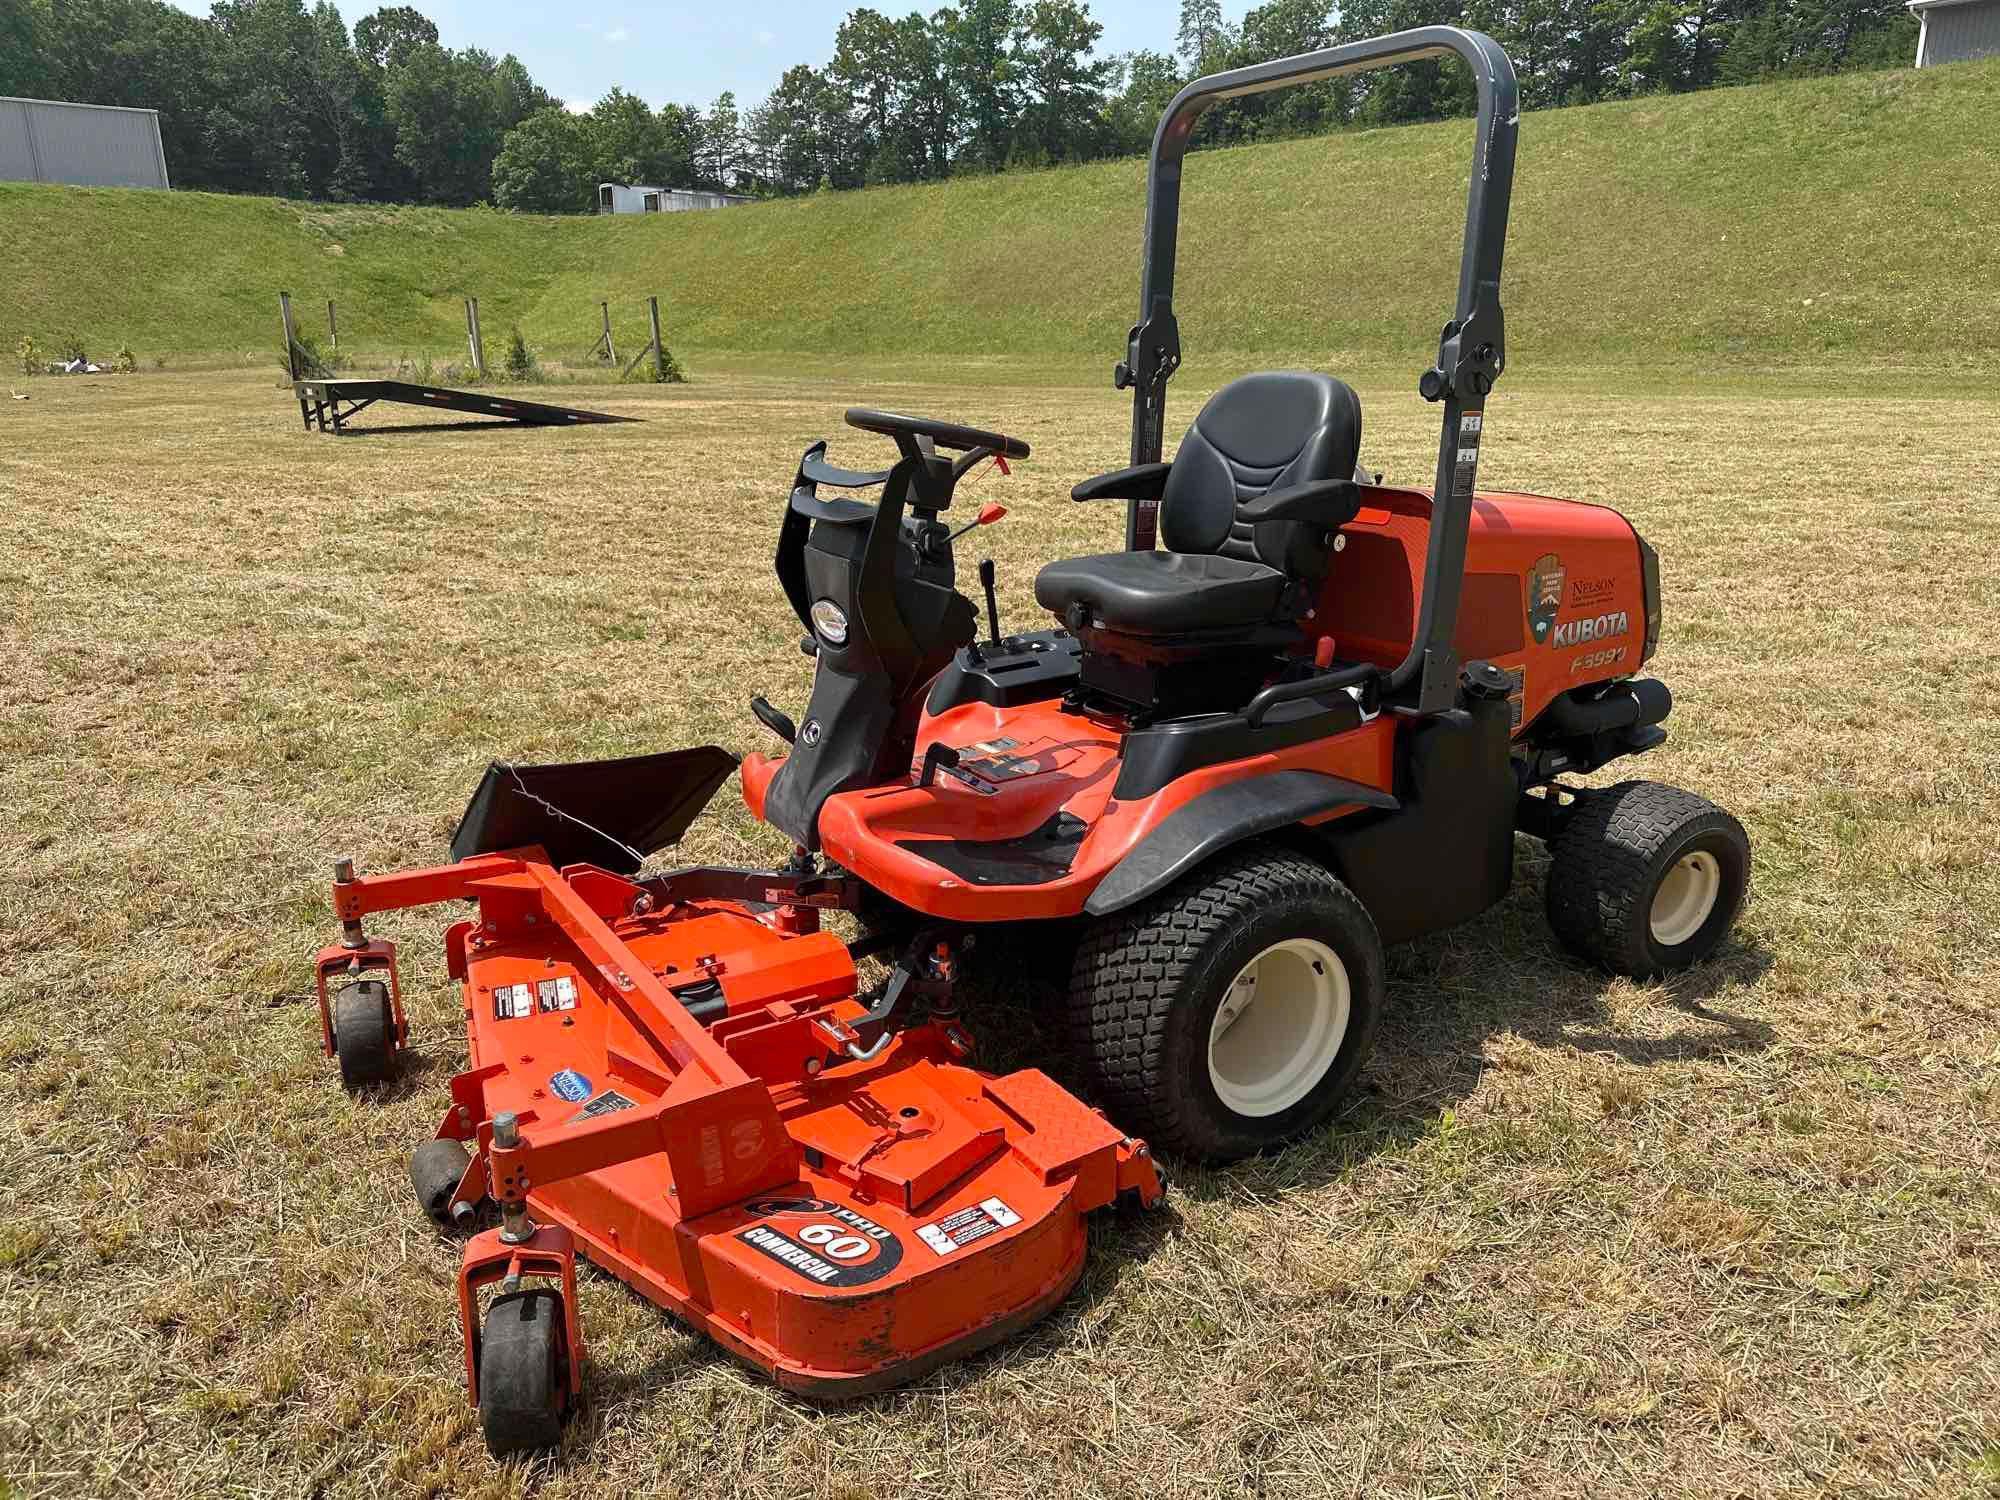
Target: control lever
<point>771,719</point>
<point>939,755</point>
<point>986,579</point>
<point>988,514</point>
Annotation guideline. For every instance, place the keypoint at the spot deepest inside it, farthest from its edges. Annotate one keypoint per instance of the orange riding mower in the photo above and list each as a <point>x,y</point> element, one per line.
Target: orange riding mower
<point>1220,779</point>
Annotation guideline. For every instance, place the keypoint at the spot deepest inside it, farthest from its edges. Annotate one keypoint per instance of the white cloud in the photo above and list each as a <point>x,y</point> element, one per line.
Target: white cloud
<point>577,106</point>
<point>617,34</point>
<point>765,38</point>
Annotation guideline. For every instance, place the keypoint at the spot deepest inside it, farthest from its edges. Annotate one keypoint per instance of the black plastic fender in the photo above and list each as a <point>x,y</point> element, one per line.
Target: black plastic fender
<point>1216,819</point>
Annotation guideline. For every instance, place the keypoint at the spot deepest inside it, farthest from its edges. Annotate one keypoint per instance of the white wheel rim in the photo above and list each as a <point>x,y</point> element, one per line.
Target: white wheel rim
<point>1686,898</point>
<point>1279,1027</point>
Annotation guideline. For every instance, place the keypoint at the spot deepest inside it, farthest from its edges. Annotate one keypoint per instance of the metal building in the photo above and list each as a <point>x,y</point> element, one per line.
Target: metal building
<point>1956,30</point>
<point>618,198</point>
<point>86,145</point>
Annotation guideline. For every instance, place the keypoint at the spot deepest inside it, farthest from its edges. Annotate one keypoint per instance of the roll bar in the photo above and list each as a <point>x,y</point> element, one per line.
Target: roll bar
<point>1471,351</point>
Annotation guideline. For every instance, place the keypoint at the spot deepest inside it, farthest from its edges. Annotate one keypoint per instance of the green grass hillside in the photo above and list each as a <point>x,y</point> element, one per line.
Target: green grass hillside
<point>1855,216</point>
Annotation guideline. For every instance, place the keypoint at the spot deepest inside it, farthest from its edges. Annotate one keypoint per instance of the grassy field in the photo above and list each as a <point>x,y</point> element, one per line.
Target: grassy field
<point>1835,223</point>
<point>1736,1235</point>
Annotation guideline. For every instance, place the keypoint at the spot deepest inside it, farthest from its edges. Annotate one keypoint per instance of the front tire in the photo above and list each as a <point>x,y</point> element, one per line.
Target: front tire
<point>363,1033</point>
<point>1646,879</point>
<point>523,1373</point>
<point>1232,1011</point>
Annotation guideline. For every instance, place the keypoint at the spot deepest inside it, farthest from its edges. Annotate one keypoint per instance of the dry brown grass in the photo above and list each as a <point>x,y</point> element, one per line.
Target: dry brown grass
<point>1735,1235</point>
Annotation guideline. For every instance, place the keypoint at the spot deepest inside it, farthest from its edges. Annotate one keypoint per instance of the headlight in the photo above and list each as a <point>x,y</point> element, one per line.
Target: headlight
<point>1649,582</point>
<point>830,621</point>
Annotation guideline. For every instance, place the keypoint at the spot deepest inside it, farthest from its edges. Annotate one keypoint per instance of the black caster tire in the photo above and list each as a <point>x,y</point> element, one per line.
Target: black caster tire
<point>1646,879</point>
<point>363,1033</point>
<point>523,1373</point>
<point>1231,1012</point>
<point>436,1168</point>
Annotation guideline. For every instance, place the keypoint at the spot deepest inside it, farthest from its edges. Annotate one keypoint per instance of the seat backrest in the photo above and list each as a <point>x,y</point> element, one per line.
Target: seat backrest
<point>1260,433</point>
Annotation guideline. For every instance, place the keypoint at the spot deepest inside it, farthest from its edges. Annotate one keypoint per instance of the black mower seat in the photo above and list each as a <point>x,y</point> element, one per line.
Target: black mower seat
<point>1163,593</point>
<point>1260,435</point>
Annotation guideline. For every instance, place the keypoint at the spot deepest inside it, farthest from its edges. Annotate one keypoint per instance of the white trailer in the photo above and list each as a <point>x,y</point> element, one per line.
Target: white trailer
<point>638,198</point>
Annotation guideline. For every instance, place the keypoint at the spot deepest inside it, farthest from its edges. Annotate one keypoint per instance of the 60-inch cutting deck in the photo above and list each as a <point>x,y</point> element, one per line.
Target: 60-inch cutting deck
<point>677,1075</point>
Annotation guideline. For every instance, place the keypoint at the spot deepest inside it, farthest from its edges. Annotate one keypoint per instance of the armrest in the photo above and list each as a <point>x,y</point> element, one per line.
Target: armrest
<point>1324,502</point>
<point>1140,482</point>
<point>815,467</point>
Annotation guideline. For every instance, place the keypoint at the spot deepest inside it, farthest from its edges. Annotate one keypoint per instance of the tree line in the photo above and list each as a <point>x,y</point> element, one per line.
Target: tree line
<point>270,96</point>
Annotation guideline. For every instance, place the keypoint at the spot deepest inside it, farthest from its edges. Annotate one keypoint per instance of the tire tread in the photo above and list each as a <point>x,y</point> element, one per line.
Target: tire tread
<point>1129,970</point>
<point>1602,866</point>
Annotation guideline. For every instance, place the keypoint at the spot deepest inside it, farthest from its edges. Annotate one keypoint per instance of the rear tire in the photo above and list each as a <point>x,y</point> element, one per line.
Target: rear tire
<point>523,1373</point>
<point>1646,879</point>
<point>363,1033</point>
<point>1232,1011</point>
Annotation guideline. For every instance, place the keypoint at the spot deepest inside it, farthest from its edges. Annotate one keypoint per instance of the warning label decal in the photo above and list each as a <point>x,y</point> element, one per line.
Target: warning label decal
<point>956,1231</point>
<point>1467,467</point>
<point>999,761</point>
<point>606,1103</point>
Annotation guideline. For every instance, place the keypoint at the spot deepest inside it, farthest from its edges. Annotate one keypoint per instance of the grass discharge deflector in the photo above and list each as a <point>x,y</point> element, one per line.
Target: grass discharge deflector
<point>1311,724</point>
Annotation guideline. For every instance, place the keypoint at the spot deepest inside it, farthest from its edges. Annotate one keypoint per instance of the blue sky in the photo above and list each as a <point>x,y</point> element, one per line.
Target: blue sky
<point>690,52</point>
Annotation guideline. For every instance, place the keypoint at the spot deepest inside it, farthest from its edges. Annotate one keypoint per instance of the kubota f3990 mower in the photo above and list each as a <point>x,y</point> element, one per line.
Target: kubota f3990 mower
<point>1311,724</point>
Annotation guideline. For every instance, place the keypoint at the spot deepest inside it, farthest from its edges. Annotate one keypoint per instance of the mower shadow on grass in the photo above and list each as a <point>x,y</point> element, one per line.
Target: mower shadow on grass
<point>416,1072</point>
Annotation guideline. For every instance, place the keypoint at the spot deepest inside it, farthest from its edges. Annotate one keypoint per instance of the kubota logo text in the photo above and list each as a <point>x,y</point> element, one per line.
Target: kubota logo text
<point>1594,628</point>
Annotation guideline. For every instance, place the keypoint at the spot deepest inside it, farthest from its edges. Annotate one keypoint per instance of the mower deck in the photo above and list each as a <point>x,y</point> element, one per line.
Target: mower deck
<point>690,1102</point>
<point>832,1286</point>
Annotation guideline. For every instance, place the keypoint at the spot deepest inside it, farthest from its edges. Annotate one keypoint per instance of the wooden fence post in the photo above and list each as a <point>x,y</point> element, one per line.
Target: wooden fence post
<point>291,336</point>
<point>332,325</point>
<point>472,339</point>
<point>610,349</point>
<point>659,347</point>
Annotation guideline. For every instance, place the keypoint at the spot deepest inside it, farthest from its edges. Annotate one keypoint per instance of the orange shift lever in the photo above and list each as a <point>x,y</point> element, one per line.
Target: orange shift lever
<point>988,514</point>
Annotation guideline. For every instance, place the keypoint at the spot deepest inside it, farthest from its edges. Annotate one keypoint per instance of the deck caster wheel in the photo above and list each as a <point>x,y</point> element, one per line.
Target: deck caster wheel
<point>1231,1012</point>
<point>523,1373</point>
<point>363,1033</point>
<point>436,1168</point>
<point>1646,879</point>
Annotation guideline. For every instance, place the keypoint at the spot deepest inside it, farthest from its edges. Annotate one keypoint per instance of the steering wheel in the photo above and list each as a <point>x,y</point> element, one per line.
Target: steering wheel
<point>945,434</point>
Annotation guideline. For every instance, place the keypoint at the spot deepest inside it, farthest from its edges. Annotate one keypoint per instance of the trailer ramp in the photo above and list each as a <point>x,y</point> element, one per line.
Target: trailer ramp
<point>330,404</point>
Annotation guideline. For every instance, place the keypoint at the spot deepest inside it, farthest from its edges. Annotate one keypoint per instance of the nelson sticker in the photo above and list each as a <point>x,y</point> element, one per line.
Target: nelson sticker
<point>1545,595</point>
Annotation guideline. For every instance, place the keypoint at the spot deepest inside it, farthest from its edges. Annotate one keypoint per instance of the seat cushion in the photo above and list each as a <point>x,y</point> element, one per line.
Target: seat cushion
<point>1163,593</point>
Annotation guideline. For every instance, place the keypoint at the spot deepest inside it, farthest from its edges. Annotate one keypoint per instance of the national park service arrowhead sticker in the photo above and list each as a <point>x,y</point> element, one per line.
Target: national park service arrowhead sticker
<point>1545,595</point>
